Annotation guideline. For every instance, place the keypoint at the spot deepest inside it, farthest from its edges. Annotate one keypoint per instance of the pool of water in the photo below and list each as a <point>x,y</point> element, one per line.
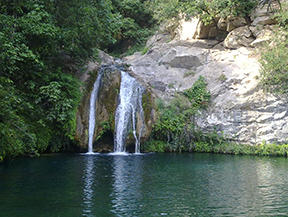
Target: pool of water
<point>144,185</point>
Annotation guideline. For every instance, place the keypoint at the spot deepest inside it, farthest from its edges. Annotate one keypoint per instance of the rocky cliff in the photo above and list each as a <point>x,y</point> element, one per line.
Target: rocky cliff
<point>106,105</point>
<point>239,108</point>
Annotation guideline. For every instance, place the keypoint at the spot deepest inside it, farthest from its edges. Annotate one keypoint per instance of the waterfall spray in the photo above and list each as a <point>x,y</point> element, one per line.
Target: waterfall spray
<point>126,114</point>
<point>92,115</point>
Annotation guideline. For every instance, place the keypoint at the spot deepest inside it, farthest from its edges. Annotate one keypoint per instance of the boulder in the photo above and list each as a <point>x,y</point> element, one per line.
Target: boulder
<point>259,12</point>
<point>263,11</point>
<point>218,34</point>
<point>192,29</point>
<point>105,59</point>
<point>262,36</point>
<point>180,57</point>
<point>230,23</point>
<point>203,30</point>
<point>262,15</point>
<point>242,36</point>
<point>158,38</point>
<point>256,30</point>
<point>230,27</point>
<point>235,22</point>
<point>222,24</point>
<point>264,20</point>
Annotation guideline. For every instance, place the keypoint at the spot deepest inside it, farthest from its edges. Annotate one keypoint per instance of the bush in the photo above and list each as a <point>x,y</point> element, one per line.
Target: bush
<point>154,146</point>
<point>274,55</point>
<point>175,124</point>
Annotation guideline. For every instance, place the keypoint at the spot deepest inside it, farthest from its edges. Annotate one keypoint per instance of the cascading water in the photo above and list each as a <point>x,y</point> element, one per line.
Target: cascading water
<point>92,115</point>
<point>126,114</point>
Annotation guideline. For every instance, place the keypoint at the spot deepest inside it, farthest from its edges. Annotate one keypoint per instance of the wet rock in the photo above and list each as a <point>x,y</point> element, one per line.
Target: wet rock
<point>106,105</point>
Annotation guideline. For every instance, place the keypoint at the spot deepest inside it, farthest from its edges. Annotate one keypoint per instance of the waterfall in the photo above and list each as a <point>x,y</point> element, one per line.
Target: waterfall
<point>126,114</point>
<point>92,115</point>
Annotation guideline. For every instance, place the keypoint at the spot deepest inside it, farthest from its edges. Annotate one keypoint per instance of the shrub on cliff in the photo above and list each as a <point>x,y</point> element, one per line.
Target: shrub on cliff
<point>274,56</point>
<point>175,125</point>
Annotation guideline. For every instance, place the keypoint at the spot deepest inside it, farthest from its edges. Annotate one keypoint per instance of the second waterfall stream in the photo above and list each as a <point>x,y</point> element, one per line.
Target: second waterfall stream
<point>129,116</point>
<point>125,119</point>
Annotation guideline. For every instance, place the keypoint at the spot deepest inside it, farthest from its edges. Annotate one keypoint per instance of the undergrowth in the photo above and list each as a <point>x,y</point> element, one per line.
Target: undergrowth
<point>177,131</point>
<point>221,148</point>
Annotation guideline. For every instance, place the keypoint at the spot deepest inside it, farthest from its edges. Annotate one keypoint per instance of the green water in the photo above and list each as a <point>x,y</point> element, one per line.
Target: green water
<point>145,185</point>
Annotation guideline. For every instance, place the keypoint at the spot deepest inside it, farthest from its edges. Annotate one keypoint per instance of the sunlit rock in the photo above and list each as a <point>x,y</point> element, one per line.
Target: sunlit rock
<point>239,108</point>
<point>239,37</point>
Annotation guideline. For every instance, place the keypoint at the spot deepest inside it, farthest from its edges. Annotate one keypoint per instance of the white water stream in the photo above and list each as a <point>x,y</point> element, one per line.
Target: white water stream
<point>128,113</point>
<point>92,115</point>
<point>126,117</point>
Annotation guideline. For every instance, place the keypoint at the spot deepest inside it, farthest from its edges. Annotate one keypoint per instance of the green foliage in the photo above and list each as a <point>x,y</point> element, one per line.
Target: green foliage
<point>208,10</point>
<point>105,125</point>
<point>222,78</point>
<point>145,50</point>
<point>262,3</point>
<point>175,124</point>
<point>282,17</point>
<point>263,149</point>
<point>154,146</point>
<point>198,95</point>
<point>274,68</point>
<point>135,25</point>
<point>271,150</point>
<point>43,47</point>
<point>165,9</point>
<point>186,74</point>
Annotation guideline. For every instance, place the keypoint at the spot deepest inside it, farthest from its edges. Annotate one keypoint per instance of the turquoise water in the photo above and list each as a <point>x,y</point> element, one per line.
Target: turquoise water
<point>144,185</point>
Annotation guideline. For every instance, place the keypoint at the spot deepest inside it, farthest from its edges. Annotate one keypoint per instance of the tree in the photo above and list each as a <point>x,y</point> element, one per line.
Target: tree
<point>209,10</point>
<point>43,47</point>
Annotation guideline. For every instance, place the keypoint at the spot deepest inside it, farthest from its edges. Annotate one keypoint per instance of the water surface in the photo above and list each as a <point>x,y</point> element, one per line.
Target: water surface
<point>144,185</point>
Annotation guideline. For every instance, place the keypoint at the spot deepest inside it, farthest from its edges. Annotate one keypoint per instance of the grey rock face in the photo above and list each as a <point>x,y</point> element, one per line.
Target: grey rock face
<point>181,57</point>
<point>239,108</point>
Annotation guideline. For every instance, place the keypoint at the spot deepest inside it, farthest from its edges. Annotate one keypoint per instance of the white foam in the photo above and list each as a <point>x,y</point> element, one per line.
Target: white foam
<point>90,153</point>
<point>120,154</point>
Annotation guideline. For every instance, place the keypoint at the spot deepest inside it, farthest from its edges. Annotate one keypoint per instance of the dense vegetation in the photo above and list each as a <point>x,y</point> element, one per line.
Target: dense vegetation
<point>175,129</point>
<point>274,56</point>
<point>44,45</point>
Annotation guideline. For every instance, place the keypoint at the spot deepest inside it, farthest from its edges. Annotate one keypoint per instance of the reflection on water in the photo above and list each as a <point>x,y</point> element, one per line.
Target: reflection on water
<point>183,185</point>
<point>127,182</point>
<point>89,179</point>
<point>144,185</point>
<point>272,188</point>
<point>121,183</point>
<point>125,175</point>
